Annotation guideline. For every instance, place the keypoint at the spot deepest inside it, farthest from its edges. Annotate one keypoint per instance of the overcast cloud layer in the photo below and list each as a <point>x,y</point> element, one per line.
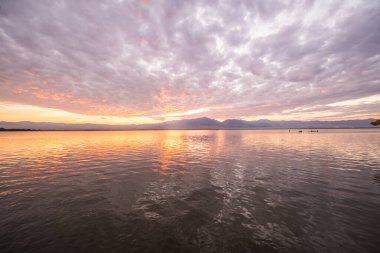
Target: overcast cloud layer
<point>223,59</point>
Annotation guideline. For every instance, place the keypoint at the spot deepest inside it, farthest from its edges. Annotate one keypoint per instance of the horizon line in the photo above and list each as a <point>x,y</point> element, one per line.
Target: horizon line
<point>186,119</point>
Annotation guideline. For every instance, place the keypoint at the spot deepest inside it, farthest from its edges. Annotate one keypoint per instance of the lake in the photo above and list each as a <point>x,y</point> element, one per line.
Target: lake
<point>190,191</point>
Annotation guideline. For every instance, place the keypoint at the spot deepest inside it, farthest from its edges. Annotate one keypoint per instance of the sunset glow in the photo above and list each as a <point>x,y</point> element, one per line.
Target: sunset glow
<point>189,126</point>
<point>138,62</point>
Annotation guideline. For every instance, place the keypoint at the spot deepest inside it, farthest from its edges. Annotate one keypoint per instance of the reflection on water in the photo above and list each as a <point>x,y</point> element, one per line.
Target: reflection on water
<point>190,191</point>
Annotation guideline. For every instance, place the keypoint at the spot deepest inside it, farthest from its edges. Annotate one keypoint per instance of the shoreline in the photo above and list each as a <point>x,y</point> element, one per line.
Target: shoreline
<point>185,129</point>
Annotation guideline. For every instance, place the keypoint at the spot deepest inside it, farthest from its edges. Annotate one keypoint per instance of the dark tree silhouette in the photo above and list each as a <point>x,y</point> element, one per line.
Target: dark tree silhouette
<point>376,122</point>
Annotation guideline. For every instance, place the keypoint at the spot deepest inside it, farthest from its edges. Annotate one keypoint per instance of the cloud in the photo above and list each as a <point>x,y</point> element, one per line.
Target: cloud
<point>158,58</point>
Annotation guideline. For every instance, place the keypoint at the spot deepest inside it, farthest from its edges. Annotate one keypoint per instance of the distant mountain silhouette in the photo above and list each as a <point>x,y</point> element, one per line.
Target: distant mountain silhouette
<point>197,123</point>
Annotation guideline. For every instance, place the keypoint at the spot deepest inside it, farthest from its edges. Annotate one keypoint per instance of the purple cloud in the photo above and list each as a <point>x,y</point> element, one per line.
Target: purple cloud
<point>152,58</point>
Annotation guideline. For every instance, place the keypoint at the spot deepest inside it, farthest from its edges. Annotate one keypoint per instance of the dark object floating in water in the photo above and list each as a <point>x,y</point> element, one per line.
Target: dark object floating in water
<point>300,131</point>
<point>313,131</point>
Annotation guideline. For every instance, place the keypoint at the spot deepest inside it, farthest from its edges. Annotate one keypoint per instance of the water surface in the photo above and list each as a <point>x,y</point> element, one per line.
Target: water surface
<point>190,191</point>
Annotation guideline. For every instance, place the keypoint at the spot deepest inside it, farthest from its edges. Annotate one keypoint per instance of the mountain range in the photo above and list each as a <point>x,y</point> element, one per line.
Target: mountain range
<point>197,123</point>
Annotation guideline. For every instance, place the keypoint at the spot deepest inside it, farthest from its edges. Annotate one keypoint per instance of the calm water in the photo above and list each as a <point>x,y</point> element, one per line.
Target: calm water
<point>190,191</point>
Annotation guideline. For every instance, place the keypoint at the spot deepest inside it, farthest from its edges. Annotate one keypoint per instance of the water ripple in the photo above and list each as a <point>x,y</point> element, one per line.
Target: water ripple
<point>190,191</point>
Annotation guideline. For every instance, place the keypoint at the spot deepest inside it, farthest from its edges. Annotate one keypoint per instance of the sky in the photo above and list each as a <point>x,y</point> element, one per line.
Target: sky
<point>122,62</point>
